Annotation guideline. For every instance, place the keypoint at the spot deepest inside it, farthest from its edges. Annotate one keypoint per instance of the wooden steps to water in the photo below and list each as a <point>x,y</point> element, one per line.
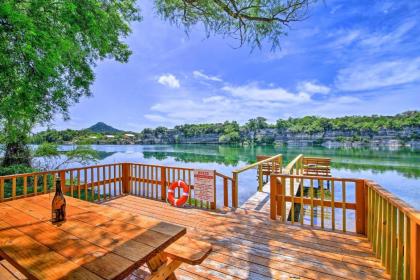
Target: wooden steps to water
<point>247,245</point>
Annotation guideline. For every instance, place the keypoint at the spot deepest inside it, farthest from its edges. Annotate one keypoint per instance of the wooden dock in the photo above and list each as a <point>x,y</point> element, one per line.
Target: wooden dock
<point>247,245</point>
<point>259,201</point>
<point>255,241</point>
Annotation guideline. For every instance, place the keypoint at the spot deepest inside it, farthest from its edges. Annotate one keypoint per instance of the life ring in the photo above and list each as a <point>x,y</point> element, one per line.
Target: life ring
<point>178,202</point>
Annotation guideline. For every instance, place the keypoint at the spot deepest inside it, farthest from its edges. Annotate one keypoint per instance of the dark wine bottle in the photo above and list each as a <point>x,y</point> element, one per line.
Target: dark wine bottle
<point>58,204</point>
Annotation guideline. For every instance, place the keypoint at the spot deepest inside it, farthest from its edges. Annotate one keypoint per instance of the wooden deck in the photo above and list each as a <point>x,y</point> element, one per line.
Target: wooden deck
<point>248,245</point>
<point>259,201</point>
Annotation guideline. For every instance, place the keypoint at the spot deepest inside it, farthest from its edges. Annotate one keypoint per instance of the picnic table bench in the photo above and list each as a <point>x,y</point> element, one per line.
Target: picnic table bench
<point>95,242</point>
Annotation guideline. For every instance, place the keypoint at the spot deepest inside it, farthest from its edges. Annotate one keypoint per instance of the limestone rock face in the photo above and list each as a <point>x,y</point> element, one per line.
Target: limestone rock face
<point>409,136</point>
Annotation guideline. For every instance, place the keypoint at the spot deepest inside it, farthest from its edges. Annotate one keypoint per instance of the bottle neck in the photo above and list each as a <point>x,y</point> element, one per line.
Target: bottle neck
<point>58,187</point>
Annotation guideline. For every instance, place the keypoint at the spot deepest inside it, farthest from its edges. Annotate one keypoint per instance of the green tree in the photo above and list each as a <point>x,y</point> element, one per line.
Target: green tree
<point>48,50</point>
<point>49,157</point>
<point>47,53</point>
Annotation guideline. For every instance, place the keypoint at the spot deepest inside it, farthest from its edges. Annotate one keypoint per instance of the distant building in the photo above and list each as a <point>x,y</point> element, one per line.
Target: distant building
<point>129,135</point>
<point>109,136</point>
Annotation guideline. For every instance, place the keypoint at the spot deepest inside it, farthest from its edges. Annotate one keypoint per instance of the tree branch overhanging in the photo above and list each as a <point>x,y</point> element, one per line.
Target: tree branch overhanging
<point>249,21</point>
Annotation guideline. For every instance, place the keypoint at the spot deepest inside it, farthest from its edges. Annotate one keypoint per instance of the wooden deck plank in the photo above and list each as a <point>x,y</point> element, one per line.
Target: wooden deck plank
<point>221,226</point>
<point>315,244</point>
<point>248,218</point>
<point>248,247</point>
<point>262,246</point>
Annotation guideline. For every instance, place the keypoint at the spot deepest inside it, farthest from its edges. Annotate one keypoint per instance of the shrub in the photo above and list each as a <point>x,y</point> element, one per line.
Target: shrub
<point>16,169</point>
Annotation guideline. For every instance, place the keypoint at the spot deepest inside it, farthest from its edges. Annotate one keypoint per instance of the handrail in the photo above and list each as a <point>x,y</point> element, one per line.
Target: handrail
<point>247,167</point>
<point>100,182</point>
<point>390,224</point>
<point>327,194</point>
<point>296,161</point>
<point>403,206</point>
<point>7,177</point>
<point>393,228</point>
<point>274,160</point>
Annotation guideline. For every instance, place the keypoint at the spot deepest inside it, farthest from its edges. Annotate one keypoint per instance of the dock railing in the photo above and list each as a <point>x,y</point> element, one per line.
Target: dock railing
<point>356,205</point>
<point>393,228</point>
<point>271,164</point>
<point>103,182</point>
<point>94,183</point>
<point>152,181</point>
<point>331,201</point>
<point>295,166</point>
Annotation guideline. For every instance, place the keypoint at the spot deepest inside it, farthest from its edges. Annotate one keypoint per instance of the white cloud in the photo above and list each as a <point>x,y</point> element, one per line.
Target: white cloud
<point>364,76</point>
<point>155,118</point>
<point>216,98</point>
<point>392,38</point>
<point>201,75</point>
<point>344,37</point>
<point>313,88</point>
<point>169,80</point>
<point>255,93</point>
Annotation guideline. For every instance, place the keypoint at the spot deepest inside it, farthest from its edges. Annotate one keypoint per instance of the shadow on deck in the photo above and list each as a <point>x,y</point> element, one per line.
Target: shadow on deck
<point>248,245</point>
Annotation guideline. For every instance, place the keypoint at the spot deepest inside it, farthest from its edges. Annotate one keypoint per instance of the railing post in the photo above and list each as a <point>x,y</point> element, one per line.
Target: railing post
<point>213,204</point>
<point>414,249</point>
<point>62,175</point>
<point>360,207</point>
<point>163,183</point>
<point>281,164</point>
<point>281,203</point>
<point>125,178</point>
<point>235,201</point>
<point>273,197</point>
<point>225,192</point>
<point>260,178</point>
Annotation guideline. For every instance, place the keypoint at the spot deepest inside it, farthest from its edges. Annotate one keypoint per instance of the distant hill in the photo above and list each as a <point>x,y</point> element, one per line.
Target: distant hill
<point>101,127</point>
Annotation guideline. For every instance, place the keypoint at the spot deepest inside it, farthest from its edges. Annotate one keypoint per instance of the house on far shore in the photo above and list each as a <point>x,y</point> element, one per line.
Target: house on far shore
<point>110,136</point>
<point>129,138</point>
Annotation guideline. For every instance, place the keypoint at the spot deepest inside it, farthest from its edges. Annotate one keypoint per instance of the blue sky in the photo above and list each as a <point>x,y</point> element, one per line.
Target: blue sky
<point>347,58</point>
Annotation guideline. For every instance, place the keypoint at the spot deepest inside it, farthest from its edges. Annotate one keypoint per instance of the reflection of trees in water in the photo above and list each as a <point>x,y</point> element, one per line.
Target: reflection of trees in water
<point>403,161</point>
<point>406,171</point>
<point>103,155</point>
<point>191,157</point>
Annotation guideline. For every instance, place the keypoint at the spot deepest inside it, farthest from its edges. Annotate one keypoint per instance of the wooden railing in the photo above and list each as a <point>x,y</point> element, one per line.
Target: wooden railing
<point>393,228</point>
<point>267,165</point>
<point>103,182</point>
<point>295,166</point>
<point>94,183</point>
<point>358,205</point>
<point>151,181</point>
<point>329,202</point>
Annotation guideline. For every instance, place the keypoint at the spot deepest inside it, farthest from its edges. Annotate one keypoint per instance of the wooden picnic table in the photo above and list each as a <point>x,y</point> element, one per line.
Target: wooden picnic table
<point>95,241</point>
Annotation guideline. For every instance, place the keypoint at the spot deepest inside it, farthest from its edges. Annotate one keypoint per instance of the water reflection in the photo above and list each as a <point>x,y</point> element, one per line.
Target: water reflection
<point>397,170</point>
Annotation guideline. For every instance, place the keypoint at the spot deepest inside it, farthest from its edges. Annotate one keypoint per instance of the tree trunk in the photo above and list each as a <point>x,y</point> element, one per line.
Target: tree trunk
<point>16,153</point>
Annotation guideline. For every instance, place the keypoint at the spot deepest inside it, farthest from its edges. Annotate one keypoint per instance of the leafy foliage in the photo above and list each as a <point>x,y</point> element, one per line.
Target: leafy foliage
<point>47,52</point>
<point>16,169</point>
<point>48,156</point>
<point>312,124</point>
<point>249,21</point>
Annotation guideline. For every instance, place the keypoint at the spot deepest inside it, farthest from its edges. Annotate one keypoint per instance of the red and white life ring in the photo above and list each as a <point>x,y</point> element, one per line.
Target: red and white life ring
<point>178,202</point>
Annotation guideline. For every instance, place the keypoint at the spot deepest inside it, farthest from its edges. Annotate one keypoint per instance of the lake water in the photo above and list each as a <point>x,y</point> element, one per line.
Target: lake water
<point>396,170</point>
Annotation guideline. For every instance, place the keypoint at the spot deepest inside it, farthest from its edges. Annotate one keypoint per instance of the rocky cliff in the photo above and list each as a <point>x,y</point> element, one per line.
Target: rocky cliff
<point>408,136</point>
